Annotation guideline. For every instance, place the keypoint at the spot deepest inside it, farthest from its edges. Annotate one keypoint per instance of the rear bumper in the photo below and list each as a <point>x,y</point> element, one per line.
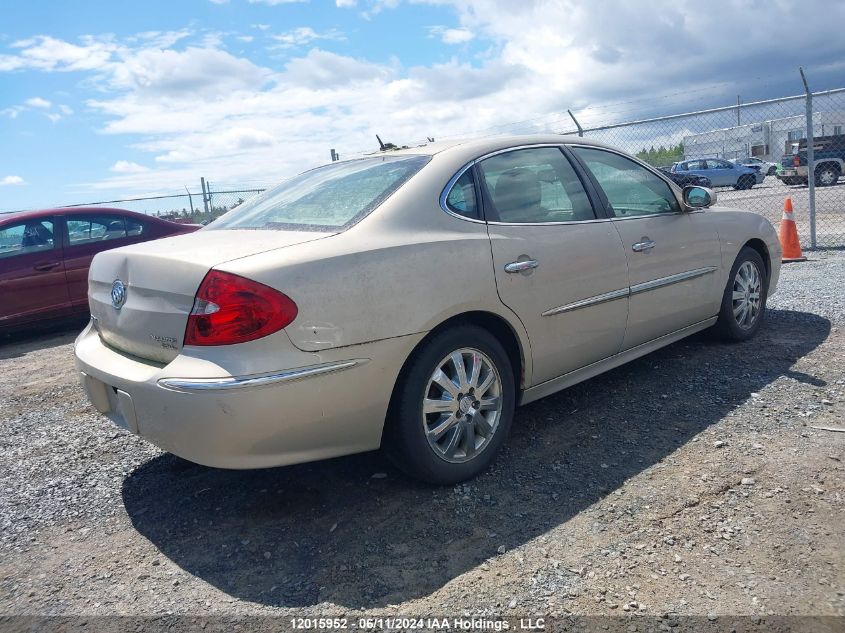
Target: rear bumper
<point>793,172</point>
<point>327,404</point>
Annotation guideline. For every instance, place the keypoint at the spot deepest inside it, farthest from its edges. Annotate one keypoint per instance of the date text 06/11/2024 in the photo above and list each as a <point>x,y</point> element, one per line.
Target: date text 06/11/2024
<point>419,624</point>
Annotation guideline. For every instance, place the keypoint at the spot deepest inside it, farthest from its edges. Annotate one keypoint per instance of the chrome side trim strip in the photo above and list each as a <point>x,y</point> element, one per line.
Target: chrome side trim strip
<point>671,279</point>
<point>222,384</point>
<point>590,301</point>
<point>626,292</point>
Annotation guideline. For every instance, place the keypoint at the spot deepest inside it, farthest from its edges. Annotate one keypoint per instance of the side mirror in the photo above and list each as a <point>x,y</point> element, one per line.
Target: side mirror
<point>699,197</point>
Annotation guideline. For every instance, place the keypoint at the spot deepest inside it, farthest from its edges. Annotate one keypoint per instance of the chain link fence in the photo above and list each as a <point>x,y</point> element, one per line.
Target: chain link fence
<point>199,207</point>
<point>755,155</point>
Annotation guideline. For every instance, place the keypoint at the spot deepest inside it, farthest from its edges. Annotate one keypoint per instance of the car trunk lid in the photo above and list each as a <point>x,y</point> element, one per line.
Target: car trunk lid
<point>159,281</point>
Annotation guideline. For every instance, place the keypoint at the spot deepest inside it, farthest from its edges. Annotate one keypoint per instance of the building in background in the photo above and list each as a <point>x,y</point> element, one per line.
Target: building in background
<point>766,140</point>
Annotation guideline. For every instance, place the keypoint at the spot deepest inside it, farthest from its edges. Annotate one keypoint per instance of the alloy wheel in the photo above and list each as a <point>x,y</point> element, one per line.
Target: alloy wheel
<point>462,405</point>
<point>828,177</point>
<point>747,292</point>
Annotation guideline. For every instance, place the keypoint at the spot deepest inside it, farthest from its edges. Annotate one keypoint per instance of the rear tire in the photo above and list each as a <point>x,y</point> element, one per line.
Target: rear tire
<point>744,299</point>
<point>452,408</point>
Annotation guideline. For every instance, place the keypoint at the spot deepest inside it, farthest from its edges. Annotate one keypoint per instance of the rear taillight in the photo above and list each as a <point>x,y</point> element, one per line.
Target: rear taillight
<point>231,309</point>
<point>796,161</point>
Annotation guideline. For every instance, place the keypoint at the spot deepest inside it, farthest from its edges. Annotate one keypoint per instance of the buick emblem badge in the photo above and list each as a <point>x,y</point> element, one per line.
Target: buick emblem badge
<point>118,294</point>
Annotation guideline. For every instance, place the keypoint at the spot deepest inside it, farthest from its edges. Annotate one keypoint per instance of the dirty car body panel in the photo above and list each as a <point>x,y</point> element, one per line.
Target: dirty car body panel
<point>444,245</point>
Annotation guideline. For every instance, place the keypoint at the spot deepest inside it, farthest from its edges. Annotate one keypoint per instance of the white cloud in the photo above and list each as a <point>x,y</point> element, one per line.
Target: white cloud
<point>195,110</point>
<point>160,39</point>
<point>219,1</point>
<point>451,36</point>
<point>305,35</point>
<point>38,102</point>
<point>11,180</point>
<point>346,4</point>
<point>12,111</point>
<point>48,53</point>
<point>202,73</point>
<point>323,70</point>
<point>127,167</point>
<point>273,3</point>
<point>245,38</point>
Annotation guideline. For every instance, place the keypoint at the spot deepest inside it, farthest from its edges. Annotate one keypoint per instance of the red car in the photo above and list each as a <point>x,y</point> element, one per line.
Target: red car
<point>45,255</point>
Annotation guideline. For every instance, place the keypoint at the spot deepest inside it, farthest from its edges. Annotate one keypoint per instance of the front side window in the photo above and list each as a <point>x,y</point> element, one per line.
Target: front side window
<point>327,198</point>
<point>696,164</point>
<point>25,237</point>
<point>534,185</point>
<point>631,189</point>
<point>96,227</point>
<point>461,197</point>
<point>712,163</point>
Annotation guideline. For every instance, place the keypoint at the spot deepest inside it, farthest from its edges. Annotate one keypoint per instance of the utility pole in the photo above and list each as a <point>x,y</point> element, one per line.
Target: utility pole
<point>738,104</point>
<point>190,200</point>
<point>204,195</point>
<point>811,157</point>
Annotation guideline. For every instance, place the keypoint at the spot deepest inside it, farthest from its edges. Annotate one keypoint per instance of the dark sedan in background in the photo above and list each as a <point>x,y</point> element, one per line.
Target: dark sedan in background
<point>683,180</point>
<point>45,255</point>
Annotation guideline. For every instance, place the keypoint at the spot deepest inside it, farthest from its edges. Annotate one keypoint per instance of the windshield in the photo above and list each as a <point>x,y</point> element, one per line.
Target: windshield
<point>326,198</point>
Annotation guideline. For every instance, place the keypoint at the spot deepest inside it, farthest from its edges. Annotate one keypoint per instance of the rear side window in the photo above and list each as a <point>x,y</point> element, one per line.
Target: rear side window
<point>534,185</point>
<point>461,197</point>
<point>26,237</point>
<point>96,227</point>
<point>328,198</point>
<point>135,228</point>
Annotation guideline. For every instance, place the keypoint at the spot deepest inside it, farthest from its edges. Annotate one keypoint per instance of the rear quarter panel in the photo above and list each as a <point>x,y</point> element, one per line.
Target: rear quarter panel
<point>403,270</point>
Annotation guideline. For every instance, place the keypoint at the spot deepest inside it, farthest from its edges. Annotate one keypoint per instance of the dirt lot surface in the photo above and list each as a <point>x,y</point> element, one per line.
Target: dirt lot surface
<point>690,481</point>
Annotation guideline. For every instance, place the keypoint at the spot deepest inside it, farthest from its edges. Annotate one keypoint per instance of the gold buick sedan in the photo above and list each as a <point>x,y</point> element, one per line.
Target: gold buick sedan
<point>410,300</point>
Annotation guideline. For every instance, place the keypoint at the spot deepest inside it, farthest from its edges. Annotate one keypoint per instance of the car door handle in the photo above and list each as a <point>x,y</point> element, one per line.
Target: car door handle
<point>46,266</point>
<point>521,267</point>
<point>645,245</point>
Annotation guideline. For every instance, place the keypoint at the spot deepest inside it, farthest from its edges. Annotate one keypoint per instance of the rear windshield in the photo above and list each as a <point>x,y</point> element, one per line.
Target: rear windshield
<point>327,198</point>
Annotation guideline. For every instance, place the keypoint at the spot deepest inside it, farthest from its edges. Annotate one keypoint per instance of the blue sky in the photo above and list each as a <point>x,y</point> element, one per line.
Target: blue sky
<point>102,100</point>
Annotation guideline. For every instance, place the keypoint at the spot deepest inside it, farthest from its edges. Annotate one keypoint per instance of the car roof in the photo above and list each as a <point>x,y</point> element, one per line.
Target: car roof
<point>44,213</point>
<point>487,144</point>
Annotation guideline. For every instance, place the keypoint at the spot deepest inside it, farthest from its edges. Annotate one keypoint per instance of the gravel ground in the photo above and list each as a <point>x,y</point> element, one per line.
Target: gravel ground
<point>688,482</point>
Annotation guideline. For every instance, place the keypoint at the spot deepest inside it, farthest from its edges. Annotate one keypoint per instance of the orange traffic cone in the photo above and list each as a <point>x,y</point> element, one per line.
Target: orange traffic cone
<point>789,236</point>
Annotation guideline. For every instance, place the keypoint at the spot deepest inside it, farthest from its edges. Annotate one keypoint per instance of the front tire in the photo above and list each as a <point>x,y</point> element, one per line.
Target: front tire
<point>452,408</point>
<point>744,182</point>
<point>827,175</point>
<point>744,299</point>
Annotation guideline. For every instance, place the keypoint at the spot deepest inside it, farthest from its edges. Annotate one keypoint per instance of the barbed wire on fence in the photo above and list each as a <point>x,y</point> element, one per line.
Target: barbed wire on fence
<point>189,206</point>
<point>754,154</point>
